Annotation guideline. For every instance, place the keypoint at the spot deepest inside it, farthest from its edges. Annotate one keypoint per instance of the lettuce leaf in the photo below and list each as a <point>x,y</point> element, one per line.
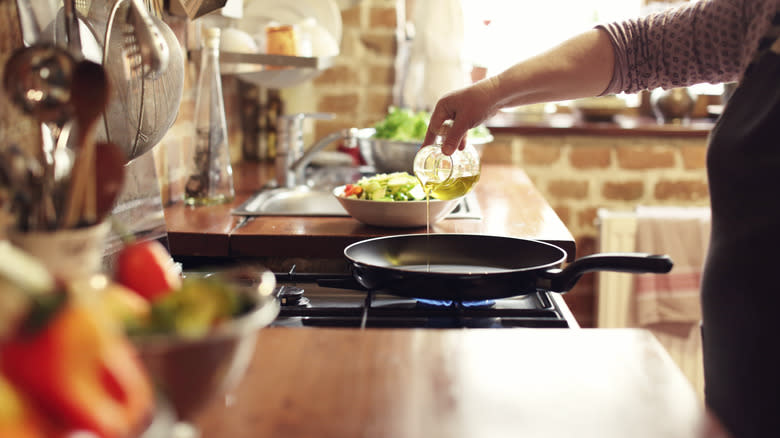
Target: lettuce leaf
<point>403,124</point>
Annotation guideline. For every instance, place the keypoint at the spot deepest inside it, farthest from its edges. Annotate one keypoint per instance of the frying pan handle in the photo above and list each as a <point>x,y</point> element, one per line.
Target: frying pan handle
<point>562,280</point>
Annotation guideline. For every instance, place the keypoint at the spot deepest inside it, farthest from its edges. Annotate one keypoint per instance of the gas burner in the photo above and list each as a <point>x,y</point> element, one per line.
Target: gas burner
<point>425,303</point>
<point>291,296</point>
<point>337,300</point>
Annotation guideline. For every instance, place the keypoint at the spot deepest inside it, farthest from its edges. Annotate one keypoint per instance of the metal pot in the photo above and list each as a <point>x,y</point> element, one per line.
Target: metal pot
<point>474,267</point>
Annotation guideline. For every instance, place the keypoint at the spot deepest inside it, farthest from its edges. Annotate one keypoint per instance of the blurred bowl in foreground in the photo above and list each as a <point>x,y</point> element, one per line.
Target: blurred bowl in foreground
<point>190,372</point>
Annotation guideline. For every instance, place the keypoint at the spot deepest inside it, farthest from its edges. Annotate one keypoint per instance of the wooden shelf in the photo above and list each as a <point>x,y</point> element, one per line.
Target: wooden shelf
<point>285,71</point>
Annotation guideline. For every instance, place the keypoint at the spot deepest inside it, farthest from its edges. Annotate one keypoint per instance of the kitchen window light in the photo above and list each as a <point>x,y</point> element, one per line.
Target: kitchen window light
<point>498,33</point>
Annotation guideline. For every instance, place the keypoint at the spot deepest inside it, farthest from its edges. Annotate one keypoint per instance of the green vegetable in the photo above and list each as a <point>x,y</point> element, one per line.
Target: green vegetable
<point>397,186</point>
<point>403,124</point>
<point>479,131</point>
<point>194,309</point>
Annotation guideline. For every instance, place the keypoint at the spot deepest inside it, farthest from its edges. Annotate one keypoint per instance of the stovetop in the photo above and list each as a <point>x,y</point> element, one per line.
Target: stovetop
<point>337,300</point>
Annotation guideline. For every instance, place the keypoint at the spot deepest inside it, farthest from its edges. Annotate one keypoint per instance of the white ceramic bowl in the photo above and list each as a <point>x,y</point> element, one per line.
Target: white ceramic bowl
<point>395,214</point>
<point>237,41</point>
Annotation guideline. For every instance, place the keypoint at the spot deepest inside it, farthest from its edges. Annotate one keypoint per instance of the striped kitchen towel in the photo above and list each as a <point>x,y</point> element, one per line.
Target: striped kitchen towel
<point>683,234</point>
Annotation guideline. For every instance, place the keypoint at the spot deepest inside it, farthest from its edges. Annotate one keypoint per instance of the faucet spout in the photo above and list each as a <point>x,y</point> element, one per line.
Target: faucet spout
<point>298,167</point>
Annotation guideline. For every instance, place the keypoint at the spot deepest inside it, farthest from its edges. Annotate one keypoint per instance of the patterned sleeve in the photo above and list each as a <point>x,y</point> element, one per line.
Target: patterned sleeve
<point>705,41</point>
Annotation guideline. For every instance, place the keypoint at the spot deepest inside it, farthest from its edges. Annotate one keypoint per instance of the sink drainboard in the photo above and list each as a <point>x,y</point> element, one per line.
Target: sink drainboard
<point>304,201</point>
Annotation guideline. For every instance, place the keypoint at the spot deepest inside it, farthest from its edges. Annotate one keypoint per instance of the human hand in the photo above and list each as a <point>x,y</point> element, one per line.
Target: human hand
<point>467,107</point>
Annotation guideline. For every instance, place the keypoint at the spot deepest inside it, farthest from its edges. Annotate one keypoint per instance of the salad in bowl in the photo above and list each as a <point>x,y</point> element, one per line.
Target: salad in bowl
<point>394,200</point>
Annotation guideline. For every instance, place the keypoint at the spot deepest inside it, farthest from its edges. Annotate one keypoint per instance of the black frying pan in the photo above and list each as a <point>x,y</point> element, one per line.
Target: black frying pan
<point>471,267</point>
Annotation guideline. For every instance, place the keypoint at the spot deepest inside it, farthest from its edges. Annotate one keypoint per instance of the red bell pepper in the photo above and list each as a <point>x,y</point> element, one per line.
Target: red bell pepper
<point>19,418</point>
<point>83,372</point>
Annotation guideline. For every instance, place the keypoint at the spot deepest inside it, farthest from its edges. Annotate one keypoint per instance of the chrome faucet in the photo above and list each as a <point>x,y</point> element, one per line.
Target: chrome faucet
<point>292,157</point>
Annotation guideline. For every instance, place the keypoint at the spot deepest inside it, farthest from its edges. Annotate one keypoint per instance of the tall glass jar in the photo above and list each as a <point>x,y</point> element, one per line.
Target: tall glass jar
<point>209,174</point>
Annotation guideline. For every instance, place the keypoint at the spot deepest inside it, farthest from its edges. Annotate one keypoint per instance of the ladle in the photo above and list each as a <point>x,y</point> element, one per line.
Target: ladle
<point>38,79</point>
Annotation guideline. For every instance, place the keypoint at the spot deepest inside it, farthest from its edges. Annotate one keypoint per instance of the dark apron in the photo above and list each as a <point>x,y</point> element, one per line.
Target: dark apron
<point>741,281</point>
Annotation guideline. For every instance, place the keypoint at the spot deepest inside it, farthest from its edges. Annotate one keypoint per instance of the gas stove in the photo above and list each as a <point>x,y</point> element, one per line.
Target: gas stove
<point>337,300</point>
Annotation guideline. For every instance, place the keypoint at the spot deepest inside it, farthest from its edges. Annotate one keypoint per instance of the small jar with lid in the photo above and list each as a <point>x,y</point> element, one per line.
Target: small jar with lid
<point>447,176</point>
<point>209,172</point>
<point>281,40</point>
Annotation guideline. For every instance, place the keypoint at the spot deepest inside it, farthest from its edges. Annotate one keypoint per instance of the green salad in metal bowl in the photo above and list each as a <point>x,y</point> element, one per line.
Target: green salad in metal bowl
<point>391,144</point>
<point>403,124</point>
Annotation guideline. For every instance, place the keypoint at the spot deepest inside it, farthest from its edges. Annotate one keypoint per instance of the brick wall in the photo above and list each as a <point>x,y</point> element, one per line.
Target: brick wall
<point>580,174</point>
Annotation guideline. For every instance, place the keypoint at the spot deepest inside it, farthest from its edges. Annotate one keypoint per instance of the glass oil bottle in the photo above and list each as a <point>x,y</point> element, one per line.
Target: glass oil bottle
<point>209,173</point>
<point>447,176</point>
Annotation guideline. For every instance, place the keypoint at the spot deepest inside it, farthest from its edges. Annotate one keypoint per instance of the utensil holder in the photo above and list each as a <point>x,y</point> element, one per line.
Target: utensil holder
<point>69,254</point>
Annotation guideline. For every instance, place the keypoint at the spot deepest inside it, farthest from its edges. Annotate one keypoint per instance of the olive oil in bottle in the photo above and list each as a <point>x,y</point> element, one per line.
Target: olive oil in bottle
<point>447,176</point>
<point>443,176</point>
<point>451,188</point>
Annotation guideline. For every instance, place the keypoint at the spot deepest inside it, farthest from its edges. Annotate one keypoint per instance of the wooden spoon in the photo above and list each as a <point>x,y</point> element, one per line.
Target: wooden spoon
<point>109,177</point>
<point>89,96</point>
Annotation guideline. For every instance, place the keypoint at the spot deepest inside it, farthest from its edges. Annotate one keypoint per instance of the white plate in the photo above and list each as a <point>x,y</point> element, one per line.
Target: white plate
<point>258,13</point>
<point>398,214</point>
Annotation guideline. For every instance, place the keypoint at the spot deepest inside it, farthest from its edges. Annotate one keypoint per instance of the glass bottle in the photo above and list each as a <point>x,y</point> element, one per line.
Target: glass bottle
<point>210,174</point>
<point>447,176</point>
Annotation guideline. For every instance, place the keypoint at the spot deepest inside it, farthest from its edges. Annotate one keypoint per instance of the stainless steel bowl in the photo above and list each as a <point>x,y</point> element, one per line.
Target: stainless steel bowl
<point>396,156</point>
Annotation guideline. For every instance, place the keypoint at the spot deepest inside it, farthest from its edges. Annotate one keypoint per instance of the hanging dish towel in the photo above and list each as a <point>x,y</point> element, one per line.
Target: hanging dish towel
<point>683,234</point>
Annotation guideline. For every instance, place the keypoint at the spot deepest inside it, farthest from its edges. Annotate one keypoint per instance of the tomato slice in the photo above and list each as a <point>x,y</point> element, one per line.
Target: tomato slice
<point>352,189</point>
<point>148,269</point>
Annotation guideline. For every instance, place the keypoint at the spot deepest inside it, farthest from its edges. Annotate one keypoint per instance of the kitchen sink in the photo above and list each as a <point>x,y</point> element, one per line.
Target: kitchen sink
<point>294,201</point>
<point>312,199</point>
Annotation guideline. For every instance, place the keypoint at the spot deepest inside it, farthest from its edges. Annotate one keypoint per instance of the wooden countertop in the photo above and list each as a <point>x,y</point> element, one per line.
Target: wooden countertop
<point>459,383</point>
<point>510,206</point>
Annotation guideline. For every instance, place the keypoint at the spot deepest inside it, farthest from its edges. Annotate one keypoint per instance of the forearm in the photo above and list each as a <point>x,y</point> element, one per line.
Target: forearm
<point>579,67</point>
<point>582,66</point>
